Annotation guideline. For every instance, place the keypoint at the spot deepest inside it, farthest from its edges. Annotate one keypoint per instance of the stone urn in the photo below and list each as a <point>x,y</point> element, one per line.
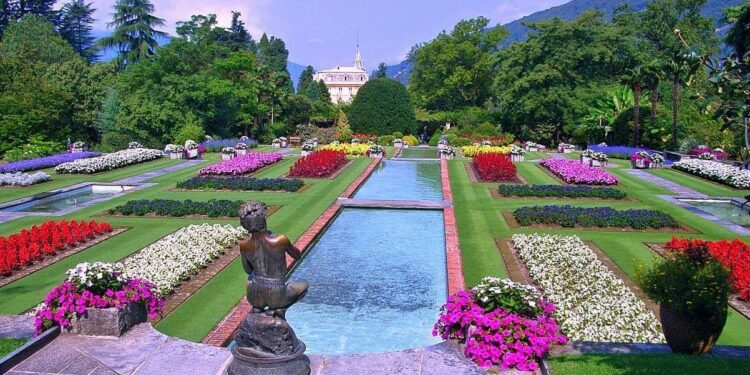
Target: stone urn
<point>175,155</point>
<point>226,156</point>
<point>516,157</point>
<point>688,334</point>
<point>109,322</point>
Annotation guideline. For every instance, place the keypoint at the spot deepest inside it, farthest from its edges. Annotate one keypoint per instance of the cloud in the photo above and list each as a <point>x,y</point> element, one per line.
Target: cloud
<point>509,11</point>
<point>172,11</point>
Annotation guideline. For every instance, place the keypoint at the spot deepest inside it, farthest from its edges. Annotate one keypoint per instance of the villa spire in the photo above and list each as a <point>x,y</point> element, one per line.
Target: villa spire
<point>358,63</point>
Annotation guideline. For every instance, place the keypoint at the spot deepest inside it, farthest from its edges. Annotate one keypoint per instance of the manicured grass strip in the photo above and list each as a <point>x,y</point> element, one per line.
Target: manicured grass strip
<point>696,183</point>
<point>652,364</point>
<point>198,315</point>
<point>534,175</point>
<point>9,345</point>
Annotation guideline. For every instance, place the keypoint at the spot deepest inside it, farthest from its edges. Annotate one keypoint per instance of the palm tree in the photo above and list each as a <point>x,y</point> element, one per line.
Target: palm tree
<point>635,78</point>
<point>681,68</point>
<point>653,73</point>
<point>135,35</point>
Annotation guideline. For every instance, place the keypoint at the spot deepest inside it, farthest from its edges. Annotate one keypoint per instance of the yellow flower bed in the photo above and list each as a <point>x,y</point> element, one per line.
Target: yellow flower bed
<point>411,140</point>
<point>471,151</point>
<point>348,148</point>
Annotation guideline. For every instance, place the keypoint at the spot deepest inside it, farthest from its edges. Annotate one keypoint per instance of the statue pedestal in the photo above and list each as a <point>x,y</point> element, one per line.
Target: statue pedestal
<point>267,345</point>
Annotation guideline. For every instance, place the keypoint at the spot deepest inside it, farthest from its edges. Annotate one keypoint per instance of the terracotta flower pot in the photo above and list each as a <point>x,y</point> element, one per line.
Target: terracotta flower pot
<point>687,334</point>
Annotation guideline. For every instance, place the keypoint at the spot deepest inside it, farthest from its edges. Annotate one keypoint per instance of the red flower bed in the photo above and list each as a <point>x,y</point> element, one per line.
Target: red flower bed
<point>29,245</point>
<point>734,255</point>
<point>321,163</point>
<point>494,167</point>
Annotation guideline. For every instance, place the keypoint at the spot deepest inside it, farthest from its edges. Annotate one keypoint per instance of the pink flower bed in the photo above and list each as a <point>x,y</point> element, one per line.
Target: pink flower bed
<point>242,164</point>
<point>575,172</point>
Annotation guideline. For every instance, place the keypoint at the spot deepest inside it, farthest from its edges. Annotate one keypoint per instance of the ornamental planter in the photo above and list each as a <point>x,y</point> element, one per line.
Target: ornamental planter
<point>641,164</point>
<point>109,322</point>
<point>517,157</point>
<point>226,156</point>
<point>276,144</point>
<point>595,163</point>
<point>304,153</point>
<point>175,155</point>
<point>192,153</point>
<point>440,146</point>
<point>284,144</point>
<point>532,149</point>
<point>687,334</point>
<point>378,155</point>
<point>446,156</point>
<point>585,159</point>
<point>656,165</point>
<point>240,152</point>
<point>567,150</point>
<point>76,150</point>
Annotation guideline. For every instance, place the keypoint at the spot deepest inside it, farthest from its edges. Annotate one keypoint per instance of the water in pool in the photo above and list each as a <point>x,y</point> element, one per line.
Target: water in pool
<point>403,180</point>
<point>377,281</point>
<point>724,209</point>
<point>73,198</point>
<point>419,153</point>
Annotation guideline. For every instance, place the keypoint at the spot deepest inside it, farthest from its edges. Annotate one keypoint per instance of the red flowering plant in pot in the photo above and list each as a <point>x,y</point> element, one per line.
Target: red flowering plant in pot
<point>500,323</point>
<point>98,299</point>
<point>692,288</point>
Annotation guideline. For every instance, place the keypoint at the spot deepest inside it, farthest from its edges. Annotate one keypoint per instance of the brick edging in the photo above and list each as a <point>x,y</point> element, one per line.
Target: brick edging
<point>222,333</point>
<point>454,266</point>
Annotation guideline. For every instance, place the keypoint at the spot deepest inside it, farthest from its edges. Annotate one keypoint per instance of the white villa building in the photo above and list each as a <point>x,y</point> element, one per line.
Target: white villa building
<point>343,82</point>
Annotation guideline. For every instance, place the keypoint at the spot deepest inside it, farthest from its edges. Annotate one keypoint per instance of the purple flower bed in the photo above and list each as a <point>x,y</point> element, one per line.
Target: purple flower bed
<point>45,162</point>
<point>242,164</point>
<point>617,152</point>
<point>575,172</point>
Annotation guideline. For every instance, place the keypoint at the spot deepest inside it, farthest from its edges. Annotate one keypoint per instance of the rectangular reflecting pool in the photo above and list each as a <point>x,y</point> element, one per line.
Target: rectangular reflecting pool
<point>726,209</point>
<point>404,180</point>
<point>377,281</point>
<point>56,202</point>
<point>419,153</point>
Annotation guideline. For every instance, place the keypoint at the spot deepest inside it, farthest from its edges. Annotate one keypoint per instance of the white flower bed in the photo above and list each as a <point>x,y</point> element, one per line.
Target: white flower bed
<point>172,259</point>
<point>22,179</point>
<point>715,171</point>
<point>110,161</point>
<point>592,303</point>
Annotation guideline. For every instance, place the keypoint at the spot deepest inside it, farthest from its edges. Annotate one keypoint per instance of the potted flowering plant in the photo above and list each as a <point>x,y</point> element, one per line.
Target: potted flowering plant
<point>227,153</point>
<point>307,148</point>
<point>500,323</point>
<point>276,143</point>
<point>517,153</point>
<point>442,144</point>
<point>657,161</point>
<point>284,142</point>
<point>240,149</point>
<point>486,143</point>
<point>533,147</point>
<point>692,288</point>
<point>706,156</point>
<point>398,142</point>
<point>356,141</point>
<point>565,148</point>
<point>191,149</point>
<point>641,160</point>
<point>447,153</point>
<point>315,141</point>
<point>598,159</point>
<point>78,146</point>
<point>209,138</point>
<point>134,145</point>
<point>98,299</point>
<point>178,153</point>
<point>376,151</point>
<point>586,156</point>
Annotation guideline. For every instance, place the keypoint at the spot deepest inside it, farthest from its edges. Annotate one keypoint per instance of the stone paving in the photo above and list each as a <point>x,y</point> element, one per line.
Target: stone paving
<point>16,326</point>
<point>677,189</point>
<point>143,177</point>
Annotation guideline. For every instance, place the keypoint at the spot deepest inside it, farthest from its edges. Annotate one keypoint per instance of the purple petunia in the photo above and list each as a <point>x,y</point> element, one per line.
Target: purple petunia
<point>575,172</point>
<point>45,162</point>
<point>242,164</point>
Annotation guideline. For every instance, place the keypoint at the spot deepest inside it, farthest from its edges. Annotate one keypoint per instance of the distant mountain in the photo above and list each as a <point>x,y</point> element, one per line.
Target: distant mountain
<point>294,70</point>
<point>518,32</point>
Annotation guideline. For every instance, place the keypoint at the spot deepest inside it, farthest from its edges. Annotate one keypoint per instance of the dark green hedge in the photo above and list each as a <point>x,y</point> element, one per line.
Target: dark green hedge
<point>382,106</point>
<point>168,207</point>
<point>559,191</point>
<point>241,183</point>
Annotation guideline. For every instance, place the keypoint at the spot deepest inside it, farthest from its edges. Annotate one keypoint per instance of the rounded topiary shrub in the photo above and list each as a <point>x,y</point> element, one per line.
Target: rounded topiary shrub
<point>382,106</point>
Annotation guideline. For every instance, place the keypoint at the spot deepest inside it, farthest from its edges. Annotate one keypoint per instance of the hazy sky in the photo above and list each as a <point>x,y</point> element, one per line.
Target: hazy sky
<point>323,33</point>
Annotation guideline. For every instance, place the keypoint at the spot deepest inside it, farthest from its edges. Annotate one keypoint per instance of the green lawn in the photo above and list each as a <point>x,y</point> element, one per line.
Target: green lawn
<point>200,313</point>
<point>632,364</point>
<point>9,345</point>
<point>479,223</point>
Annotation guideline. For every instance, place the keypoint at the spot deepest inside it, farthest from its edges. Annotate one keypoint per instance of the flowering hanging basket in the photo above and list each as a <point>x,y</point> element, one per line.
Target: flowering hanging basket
<point>111,321</point>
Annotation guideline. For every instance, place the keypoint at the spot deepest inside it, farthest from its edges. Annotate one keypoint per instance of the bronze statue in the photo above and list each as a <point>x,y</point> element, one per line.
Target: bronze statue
<point>266,344</point>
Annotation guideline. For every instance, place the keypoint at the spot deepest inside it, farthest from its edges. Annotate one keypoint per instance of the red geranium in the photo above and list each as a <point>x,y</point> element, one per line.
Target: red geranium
<point>494,167</point>
<point>28,246</point>
<point>735,255</point>
<point>321,163</point>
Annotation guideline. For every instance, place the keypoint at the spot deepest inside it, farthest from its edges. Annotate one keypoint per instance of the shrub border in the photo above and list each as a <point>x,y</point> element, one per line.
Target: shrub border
<point>270,210</point>
<point>510,219</point>
<point>496,194</point>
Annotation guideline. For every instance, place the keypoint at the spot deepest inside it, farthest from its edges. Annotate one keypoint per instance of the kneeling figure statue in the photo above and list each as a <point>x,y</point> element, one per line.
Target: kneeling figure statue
<point>266,344</point>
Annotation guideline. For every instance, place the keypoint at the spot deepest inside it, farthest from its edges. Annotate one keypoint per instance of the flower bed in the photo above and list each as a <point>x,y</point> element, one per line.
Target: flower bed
<point>98,285</point>
<point>22,179</point>
<point>558,191</point>
<point>715,171</point>
<point>471,151</point>
<point>349,148</point>
<point>243,164</point>
<point>601,217</point>
<point>172,259</point>
<point>501,323</point>
<point>241,183</point>
<point>704,152</point>
<point>575,172</point>
<point>617,152</point>
<point>173,208</point>
<point>32,244</point>
<point>45,162</point>
<point>215,145</point>
<point>494,167</point>
<point>593,304</point>
<point>107,162</point>
<point>322,163</point>
<point>734,255</point>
